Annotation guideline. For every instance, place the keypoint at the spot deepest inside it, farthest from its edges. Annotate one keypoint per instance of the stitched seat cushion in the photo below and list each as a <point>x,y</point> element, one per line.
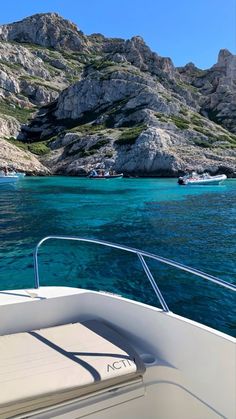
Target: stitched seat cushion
<point>48,366</point>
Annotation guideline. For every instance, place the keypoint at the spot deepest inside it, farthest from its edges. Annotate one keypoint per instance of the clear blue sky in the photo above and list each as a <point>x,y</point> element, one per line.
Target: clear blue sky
<point>185,30</point>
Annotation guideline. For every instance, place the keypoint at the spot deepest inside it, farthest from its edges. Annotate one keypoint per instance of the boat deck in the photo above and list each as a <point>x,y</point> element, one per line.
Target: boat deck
<point>53,365</point>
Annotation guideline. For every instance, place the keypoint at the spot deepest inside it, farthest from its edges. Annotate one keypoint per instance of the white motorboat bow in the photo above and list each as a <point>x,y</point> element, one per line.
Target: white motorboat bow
<point>204,179</point>
<point>72,353</point>
<point>10,178</point>
<point>7,177</point>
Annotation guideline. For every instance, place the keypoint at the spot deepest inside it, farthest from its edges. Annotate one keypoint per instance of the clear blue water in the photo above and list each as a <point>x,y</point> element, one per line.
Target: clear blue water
<point>192,225</point>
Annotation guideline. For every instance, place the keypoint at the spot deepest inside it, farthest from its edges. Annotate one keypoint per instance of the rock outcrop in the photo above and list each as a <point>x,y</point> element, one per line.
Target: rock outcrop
<point>48,30</point>
<point>217,87</point>
<point>79,101</point>
<point>9,126</point>
<point>20,160</point>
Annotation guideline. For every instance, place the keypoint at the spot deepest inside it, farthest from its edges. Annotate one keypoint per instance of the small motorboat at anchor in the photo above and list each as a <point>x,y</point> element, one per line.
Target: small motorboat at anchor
<point>117,176</point>
<point>101,174</point>
<point>20,175</point>
<point>5,179</point>
<point>204,179</point>
<point>9,177</point>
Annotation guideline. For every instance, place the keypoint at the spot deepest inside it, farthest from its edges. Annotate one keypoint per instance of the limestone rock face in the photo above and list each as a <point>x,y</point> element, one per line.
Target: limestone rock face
<point>96,93</point>
<point>12,156</point>
<point>140,55</point>
<point>118,96</point>
<point>157,153</point>
<point>97,101</point>
<point>150,154</point>
<point>8,83</point>
<point>16,56</point>
<point>25,79</point>
<point>223,99</point>
<point>48,30</point>
<point>217,87</point>
<point>9,126</point>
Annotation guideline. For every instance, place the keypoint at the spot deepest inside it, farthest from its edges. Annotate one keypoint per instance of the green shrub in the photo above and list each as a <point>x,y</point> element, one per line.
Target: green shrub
<point>187,86</point>
<point>13,66</point>
<point>39,148</point>
<point>98,145</point>
<point>224,137</point>
<point>201,143</point>
<point>196,120</point>
<point>232,138</point>
<point>21,114</point>
<point>100,64</point>
<point>109,154</point>
<point>184,111</point>
<point>162,117</point>
<point>209,142</point>
<point>180,123</point>
<point>87,129</point>
<point>130,135</point>
<point>17,143</point>
<point>202,130</point>
<point>86,153</point>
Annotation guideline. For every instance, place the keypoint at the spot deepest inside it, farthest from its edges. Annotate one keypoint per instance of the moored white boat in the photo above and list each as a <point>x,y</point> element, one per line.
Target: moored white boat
<point>116,176</point>
<point>10,176</point>
<point>204,179</point>
<point>104,174</point>
<point>20,175</point>
<point>5,179</point>
<point>70,353</point>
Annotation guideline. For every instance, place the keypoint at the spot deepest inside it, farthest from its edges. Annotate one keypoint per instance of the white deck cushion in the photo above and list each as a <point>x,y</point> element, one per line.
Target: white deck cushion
<point>48,366</point>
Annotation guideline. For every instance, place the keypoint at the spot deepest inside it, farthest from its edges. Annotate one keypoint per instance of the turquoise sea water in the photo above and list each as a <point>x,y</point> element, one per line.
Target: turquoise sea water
<point>192,225</point>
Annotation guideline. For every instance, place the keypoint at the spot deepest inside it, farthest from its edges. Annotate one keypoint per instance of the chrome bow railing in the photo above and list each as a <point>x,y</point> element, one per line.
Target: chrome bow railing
<point>141,254</point>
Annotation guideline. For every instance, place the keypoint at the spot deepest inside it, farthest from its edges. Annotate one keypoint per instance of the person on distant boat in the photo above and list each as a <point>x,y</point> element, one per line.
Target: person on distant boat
<point>94,173</point>
<point>107,173</point>
<point>5,170</point>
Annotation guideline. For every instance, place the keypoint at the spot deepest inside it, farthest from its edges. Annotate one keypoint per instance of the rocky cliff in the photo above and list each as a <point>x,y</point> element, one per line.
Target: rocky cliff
<point>75,101</point>
<point>217,87</point>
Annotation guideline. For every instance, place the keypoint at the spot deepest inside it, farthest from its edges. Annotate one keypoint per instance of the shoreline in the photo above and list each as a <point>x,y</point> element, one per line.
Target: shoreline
<point>229,176</point>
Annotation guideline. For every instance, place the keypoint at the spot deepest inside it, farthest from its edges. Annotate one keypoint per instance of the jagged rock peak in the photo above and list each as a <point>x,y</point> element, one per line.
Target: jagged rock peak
<point>45,29</point>
<point>138,39</point>
<point>189,72</point>
<point>225,59</point>
<point>190,66</point>
<point>139,54</point>
<point>224,53</point>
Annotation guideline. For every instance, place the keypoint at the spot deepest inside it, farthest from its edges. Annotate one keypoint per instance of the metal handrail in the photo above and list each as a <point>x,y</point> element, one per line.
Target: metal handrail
<point>140,254</point>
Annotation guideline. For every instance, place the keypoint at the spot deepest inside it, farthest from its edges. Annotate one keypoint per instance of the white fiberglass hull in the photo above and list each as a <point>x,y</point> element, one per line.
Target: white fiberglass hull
<point>118,176</point>
<point>8,179</point>
<point>20,175</point>
<point>189,367</point>
<point>213,180</point>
